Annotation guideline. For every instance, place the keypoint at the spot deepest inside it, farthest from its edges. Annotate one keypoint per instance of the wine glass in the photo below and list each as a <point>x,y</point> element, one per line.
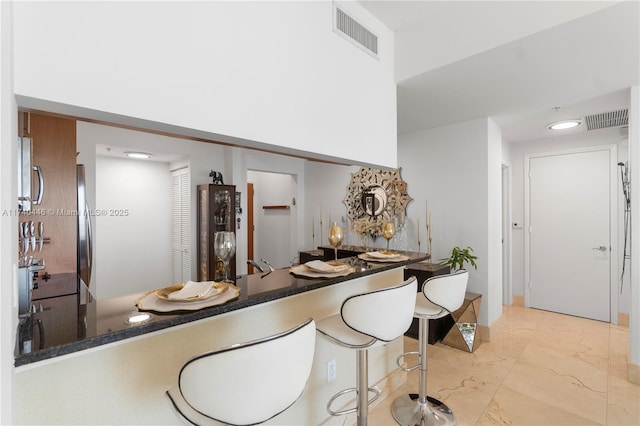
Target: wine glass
<point>336,235</point>
<point>225,246</point>
<point>388,230</point>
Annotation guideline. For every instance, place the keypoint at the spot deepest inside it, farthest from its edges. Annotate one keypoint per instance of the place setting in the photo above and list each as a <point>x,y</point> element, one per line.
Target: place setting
<point>388,231</point>
<point>189,296</point>
<point>320,269</point>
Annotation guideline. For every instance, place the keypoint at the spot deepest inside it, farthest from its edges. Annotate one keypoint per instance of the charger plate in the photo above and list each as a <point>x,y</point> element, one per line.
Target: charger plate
<point>149,301</point>
<point>399,258</point>
<point>303,271</point>
<point>165,293</point>
<point>330,263</point>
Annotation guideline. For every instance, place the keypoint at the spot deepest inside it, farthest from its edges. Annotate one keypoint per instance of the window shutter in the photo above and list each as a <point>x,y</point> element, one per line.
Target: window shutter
<point>180,224</point>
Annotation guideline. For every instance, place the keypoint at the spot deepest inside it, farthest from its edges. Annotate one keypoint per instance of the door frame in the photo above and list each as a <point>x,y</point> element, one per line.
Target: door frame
<point>613,221</point>
<point>507,278</point>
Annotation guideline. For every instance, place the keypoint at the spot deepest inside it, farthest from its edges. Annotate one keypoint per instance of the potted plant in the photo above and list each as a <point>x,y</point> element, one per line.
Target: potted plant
<point>458,257</point>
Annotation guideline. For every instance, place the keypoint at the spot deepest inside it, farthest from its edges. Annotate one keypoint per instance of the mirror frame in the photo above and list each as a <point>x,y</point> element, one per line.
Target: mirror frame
<point>375,197</point>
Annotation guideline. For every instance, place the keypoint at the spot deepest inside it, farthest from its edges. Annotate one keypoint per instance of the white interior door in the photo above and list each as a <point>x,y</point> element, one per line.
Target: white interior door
<point>570,241</point>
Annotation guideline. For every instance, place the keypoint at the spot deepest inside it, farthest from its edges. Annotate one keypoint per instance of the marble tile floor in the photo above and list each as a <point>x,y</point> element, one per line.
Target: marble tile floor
<point>540,368</point>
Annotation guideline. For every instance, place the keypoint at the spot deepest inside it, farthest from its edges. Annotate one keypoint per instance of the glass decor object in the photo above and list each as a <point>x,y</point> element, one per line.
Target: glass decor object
<point>336,235</point>
<point>225,246</point>
<point>388,231</point>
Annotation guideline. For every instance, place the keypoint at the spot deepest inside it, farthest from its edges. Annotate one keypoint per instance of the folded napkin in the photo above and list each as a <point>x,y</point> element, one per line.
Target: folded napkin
<point>320,266</point>
<point>192,289</point>
<point>382,255</point>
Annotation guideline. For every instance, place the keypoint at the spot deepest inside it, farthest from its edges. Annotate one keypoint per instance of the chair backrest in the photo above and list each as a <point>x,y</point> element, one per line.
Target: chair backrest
<point>251,382</point>
<point>447,290</point>
<point>384,314</point>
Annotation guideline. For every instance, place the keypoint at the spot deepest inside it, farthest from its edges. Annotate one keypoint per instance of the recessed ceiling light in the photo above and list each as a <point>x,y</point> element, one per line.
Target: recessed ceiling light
<point>565,124</point>
<point>138,155</point>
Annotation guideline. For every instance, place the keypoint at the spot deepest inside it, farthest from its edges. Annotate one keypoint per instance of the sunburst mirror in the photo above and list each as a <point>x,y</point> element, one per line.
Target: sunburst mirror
<point>374,197</point>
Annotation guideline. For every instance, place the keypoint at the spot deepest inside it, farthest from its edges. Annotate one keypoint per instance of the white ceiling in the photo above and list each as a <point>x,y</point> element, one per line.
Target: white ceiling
<point>584,61</point>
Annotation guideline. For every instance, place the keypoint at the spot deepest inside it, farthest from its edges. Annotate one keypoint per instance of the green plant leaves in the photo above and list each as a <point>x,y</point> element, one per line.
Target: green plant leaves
<point>458,257</point>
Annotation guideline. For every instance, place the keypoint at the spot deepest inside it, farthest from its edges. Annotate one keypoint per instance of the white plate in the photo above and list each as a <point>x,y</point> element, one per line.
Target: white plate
<point>165,293</point>
<point>150,301</point>
<point>302,270</point>
<point>400,258</point>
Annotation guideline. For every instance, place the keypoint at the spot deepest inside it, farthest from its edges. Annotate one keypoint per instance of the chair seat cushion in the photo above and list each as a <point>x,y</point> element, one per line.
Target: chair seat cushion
<point>424,308</point>
<point>334,329</point>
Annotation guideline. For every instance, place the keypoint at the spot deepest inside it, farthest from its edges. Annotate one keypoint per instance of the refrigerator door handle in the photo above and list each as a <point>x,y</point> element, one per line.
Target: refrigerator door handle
<point>41,332</point>
<point>89,243</point>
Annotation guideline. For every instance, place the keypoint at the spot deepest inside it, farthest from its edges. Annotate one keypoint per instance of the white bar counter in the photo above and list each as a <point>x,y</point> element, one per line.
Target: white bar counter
<point>117,373</point>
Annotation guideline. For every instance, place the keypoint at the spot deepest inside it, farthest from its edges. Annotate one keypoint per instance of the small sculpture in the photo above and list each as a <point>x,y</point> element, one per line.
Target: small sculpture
<point>217,177</point>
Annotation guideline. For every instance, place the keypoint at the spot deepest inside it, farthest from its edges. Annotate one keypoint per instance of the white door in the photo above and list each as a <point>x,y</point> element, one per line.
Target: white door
<point>569,214</point>
<point>274,217</point>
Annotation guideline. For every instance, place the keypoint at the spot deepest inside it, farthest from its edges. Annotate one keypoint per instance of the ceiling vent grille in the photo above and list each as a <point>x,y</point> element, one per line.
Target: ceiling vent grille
<point>355,32</point>
<point>607,119</point>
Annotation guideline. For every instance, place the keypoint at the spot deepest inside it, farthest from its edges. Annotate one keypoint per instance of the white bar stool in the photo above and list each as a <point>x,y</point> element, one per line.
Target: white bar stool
<point>213,388</point>
<point>441,295</point>
<point>367,320</point>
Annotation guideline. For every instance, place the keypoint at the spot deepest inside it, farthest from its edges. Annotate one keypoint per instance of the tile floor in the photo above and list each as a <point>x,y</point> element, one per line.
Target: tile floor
<point>541,368</point>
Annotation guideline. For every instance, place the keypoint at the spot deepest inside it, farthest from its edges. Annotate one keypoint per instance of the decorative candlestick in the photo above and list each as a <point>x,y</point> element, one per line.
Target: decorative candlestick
<point>321,233</point>
<point>418,235</point>
<point>429,228</point>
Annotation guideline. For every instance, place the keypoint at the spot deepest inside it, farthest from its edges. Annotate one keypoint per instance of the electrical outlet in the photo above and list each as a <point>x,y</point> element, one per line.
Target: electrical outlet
<point>331,370</point>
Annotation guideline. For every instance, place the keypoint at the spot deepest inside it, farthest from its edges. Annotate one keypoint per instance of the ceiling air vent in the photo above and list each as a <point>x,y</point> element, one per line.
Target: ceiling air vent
<point>607,119</point>
<point>355,32</point>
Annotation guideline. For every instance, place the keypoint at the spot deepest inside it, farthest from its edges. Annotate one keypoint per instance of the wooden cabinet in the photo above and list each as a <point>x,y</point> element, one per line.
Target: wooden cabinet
<point>54,150</point>
<point>216,212</point>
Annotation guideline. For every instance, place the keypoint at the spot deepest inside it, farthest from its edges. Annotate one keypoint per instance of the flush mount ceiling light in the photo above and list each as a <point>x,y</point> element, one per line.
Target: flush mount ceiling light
<point>565,124</point>
<point>142,155</point>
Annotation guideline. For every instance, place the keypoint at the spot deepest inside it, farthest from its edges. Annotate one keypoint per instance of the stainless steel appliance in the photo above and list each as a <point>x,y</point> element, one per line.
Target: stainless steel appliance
<point>85,250</point>
<point>25,288</point>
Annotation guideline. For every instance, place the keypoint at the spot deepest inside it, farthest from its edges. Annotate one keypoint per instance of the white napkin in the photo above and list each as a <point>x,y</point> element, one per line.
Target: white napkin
<point>320,266</point>
<point>192,289</point>
<point>381,255</point>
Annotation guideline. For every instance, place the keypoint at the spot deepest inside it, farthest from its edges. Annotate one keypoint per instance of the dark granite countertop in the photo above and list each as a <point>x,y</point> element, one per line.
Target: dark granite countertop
<point>99,322</point>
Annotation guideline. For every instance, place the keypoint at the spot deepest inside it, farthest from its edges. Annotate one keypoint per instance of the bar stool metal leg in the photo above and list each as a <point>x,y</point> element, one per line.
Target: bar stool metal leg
<point>362,379</point>
<point>362,391</point>
<point>419,409</point>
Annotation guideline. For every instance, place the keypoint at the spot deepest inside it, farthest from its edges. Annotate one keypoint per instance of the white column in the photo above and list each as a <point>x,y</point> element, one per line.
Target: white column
<point>8,221</point>
<point>634,165</point>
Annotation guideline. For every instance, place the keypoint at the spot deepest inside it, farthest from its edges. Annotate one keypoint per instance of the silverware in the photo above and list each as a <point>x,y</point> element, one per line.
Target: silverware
<point>32,228</point>
<point>41,234</point>
<point>25,237</point>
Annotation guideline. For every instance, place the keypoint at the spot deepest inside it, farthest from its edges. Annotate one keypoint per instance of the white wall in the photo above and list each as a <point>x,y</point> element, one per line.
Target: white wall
<point>326,190</point>
<point>453,31</point>
<point>268,74</point>
<point>9,222</point>
<point>201,158</point>
<point>518,151</point>
<point>457,170</point>
<point>634,159</point>
<point>274,228</point>
<point>133,246</point>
